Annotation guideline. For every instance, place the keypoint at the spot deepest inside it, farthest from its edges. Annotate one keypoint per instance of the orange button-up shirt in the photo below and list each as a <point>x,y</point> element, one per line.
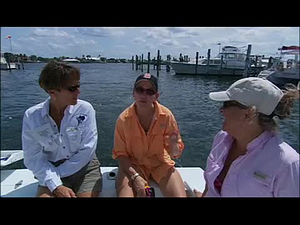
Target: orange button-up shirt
<point>151,149</point>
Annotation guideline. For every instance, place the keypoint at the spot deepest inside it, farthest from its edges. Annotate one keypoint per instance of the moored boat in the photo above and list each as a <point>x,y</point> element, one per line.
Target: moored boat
<point>230,62</point>
<point>284,71</point>
<point>7,66</point>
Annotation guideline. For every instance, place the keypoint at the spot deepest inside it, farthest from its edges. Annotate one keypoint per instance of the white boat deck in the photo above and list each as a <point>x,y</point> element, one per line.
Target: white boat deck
<point>21,182</point>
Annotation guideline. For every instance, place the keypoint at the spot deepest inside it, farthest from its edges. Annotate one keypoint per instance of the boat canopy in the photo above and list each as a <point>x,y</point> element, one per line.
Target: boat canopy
<point>290,50</point>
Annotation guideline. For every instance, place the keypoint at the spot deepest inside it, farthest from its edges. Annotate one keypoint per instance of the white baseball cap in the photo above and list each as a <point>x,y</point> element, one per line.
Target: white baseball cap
<point>252,91</point>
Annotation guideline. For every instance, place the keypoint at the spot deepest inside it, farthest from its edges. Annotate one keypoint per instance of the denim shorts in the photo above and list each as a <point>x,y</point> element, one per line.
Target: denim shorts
<point>87,179</point>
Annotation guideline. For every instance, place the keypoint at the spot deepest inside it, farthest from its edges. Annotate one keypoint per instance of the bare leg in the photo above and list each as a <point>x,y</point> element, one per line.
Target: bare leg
<point>172,184</point>
<point>88,194</point>
<point>122,185</point>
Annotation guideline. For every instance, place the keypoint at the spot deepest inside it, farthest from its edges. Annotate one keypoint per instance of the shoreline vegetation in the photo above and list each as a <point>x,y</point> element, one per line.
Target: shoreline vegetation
<point>23,58</point>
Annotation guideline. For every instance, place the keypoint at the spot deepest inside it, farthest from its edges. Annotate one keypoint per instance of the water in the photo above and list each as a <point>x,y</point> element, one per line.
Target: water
<point>108,87</point>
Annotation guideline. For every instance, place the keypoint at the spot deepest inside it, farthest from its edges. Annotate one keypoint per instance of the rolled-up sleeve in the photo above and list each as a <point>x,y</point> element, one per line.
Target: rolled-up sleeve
<point>171,127</point>
<point>119,140</point>
<point>287,182</point>
<point>87,149</point>
<point>35,160</point>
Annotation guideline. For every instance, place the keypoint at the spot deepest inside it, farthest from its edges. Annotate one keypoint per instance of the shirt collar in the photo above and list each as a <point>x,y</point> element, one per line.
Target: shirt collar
<point>45,107</point>
<point>131,111</point>
<point>70,109</point>
<point>46,104</point>
<point>261,139</point>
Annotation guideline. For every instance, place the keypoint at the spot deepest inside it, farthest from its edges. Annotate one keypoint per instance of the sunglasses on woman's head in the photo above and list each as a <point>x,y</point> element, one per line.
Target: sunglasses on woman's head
<point>73,88</point>
<point>141,90</point>
<point>233,103</point>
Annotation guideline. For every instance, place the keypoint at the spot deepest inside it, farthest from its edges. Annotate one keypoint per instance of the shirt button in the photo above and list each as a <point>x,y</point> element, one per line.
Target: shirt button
<point>61,135</point>
<point>64,147</point>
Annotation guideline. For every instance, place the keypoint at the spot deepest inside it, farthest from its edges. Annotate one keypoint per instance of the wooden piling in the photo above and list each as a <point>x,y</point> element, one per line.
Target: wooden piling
<point>132,63</point>
<point>196,67</point>
<point>256,60</point>
<point>21,60</point>
<point>158,63</point>
<point>8,62</point>
<point>247,61</point>
<point>142,63</point>
<point>221,65</point>
<point>148,66</point>
<point>168,68</point>
<point>208,59</point>
<point>270,62</point>
<point>136,62</point>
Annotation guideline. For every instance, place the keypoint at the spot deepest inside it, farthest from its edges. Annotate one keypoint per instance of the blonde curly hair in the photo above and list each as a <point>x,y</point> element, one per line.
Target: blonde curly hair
<point>282,110</point>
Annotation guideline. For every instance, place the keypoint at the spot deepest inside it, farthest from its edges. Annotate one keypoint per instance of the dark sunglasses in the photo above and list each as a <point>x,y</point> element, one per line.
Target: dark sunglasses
<point>141,90</point>
<point>73,88</point>
<point>233,103</point>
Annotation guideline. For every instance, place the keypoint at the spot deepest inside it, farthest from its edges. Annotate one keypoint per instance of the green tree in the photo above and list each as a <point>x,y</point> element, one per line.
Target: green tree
<point>33,58</point>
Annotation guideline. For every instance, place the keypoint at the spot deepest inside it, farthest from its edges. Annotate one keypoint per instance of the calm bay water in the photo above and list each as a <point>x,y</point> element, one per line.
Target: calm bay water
<point>108,87</point>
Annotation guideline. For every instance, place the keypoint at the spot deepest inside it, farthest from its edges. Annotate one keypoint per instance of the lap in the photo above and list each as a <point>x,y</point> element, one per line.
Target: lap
<point>87,182</point>
<point>166,176</point>
<point>172,185</point>
<point>123,183</point>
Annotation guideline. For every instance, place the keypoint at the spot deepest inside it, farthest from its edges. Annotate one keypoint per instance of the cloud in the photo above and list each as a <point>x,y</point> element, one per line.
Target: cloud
<point>101,31</point>
<point>72,41</point>
<point>157,33</point>
<point>170,43</point>
<point>195,43</point>
<point>139,40</point>
<point>54,46</point>
<point>51,33</point>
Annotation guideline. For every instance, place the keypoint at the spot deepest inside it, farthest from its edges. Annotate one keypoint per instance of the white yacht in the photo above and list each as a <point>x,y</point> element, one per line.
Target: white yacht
<point>5,65</point>
<point>229,62</point>
<point>284,70</point>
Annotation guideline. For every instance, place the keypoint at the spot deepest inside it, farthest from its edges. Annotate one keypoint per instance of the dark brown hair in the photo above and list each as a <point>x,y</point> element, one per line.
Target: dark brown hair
<point>56,75</point>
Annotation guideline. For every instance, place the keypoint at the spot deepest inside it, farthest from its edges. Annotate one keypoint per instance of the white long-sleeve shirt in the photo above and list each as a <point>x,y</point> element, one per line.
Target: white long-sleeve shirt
<point>43,143</point>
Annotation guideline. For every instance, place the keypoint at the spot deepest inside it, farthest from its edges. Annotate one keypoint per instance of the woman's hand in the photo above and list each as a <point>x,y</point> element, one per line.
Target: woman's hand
<point>63,191</point>
<point>139,186</point>
<point>173,139</point>
<point>198,193</point>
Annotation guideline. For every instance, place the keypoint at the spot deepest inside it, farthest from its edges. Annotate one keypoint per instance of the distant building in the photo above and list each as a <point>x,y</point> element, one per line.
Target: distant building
<point>71,60</point>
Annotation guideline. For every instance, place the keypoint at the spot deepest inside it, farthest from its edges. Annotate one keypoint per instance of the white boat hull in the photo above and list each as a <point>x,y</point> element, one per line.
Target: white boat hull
<point>21,182</point>
<point>6,66</point>
<point>215,70</point>
<point>280,78</point>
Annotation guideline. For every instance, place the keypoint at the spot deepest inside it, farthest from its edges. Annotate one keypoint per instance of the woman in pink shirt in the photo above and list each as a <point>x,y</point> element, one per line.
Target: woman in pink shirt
<point>146,140</point>
<point>248,158</point>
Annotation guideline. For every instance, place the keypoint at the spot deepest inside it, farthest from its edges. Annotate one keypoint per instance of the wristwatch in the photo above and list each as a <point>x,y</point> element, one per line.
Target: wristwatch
<point>134,176</point>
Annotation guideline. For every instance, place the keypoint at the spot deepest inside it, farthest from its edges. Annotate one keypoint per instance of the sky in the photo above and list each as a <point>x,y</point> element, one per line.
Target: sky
<point>125,42</point>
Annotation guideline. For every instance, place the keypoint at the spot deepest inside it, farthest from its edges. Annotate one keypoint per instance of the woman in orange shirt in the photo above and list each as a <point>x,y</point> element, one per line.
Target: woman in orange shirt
<point>146,138</point>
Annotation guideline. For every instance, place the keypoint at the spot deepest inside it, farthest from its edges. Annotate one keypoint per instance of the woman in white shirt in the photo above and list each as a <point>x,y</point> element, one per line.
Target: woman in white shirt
<point>59,137</point>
